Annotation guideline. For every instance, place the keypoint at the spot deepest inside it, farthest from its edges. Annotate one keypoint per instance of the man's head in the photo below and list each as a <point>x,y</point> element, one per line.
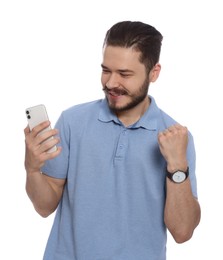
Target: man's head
<point>140,36</point>
<point>131,53</point>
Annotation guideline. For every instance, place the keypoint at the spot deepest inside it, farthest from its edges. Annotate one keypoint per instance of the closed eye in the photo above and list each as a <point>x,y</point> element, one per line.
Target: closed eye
<point>105,69</point>
<point>125,75</point>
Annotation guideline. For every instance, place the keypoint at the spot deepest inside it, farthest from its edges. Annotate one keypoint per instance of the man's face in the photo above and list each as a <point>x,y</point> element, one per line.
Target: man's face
<point>123,78</point>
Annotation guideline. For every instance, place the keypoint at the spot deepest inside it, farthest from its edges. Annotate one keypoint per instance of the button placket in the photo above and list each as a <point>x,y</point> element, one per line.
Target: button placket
<point>122,144</point>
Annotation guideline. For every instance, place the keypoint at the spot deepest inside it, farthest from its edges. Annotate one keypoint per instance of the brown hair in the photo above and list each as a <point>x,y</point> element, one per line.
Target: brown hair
<point>142,37</point>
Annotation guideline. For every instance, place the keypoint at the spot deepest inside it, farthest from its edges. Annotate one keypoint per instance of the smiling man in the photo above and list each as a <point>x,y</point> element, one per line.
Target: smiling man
<point>124,172</point>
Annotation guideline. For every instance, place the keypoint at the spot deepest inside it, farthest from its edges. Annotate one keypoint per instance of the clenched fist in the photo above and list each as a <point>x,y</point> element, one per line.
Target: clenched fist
<point>173,146</point>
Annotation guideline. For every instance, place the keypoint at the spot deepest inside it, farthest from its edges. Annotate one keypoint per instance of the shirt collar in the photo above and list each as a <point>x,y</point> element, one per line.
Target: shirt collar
<point>147,121</point>
<point>106,115</point>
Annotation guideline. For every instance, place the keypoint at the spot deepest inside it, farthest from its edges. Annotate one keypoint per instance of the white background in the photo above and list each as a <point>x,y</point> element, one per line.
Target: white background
<point>51,51</point>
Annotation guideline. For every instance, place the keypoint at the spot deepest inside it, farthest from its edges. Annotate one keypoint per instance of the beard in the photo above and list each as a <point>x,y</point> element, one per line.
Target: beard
<point>135,98</point>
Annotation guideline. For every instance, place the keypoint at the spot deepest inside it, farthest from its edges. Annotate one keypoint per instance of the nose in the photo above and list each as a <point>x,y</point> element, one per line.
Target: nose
<point>112,82</point>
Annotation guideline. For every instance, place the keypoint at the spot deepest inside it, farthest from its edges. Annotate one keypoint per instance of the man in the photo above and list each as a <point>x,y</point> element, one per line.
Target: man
<point>124,172</point>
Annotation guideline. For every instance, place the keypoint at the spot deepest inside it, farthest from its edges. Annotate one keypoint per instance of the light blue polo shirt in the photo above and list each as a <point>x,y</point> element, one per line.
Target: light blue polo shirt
<point>113,203</point>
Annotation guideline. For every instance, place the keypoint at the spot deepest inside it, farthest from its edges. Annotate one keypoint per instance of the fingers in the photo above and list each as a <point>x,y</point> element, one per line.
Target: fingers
<point>38,143</point>
<point>36,129</point>
<point>43,141</point>
<point>41,138</point>
<point>174,129</point>
<point>49,155</point>
<point>47,144</point>
<point>173,144</point>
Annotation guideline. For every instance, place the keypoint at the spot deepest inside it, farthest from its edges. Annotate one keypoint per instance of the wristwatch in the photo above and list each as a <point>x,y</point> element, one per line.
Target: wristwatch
<point>178,176</point>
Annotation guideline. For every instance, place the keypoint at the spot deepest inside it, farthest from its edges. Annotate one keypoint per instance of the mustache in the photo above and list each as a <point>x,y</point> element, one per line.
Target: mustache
<point>116,91</point>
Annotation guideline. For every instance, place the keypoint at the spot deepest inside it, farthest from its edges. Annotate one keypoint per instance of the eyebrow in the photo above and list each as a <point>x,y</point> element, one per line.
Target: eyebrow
<point>120,70</point>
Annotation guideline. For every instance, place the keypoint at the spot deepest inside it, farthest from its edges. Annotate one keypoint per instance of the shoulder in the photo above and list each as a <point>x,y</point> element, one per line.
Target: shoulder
<point>85,109</point>
<point>164,119</point>
<point>74,120</point>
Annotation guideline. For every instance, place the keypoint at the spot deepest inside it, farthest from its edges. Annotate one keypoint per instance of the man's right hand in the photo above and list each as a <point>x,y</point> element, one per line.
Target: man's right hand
<point>36,149</point>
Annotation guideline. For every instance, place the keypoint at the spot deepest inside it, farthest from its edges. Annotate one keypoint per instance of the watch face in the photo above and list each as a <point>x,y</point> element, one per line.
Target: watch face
<point>179,176</point>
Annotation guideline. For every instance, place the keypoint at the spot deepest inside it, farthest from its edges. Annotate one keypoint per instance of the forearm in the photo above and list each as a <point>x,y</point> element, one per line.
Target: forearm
<point>182,210</point>
<point>42,194</point>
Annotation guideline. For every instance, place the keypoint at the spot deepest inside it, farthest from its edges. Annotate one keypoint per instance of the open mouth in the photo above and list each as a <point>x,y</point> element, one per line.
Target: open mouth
<point>115,92</point>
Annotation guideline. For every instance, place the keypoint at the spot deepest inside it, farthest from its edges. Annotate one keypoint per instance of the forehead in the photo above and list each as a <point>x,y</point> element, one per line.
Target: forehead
<point>121,58</point>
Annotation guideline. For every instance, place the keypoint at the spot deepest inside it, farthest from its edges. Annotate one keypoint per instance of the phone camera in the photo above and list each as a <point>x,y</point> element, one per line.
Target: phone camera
<point>28,116</point>
<point>27,112</point>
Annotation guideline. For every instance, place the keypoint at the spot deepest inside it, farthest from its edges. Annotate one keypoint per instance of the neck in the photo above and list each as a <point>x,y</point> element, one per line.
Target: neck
<point>131,116</point>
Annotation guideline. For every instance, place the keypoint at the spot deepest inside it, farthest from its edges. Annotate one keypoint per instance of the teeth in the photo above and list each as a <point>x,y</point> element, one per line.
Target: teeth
<point>117,92</point>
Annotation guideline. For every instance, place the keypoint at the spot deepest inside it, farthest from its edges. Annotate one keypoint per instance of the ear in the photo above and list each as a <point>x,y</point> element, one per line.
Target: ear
<point>154,73</point>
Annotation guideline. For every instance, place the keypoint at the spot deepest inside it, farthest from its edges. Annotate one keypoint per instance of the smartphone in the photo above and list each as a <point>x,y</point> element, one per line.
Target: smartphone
<point>36,115</point>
